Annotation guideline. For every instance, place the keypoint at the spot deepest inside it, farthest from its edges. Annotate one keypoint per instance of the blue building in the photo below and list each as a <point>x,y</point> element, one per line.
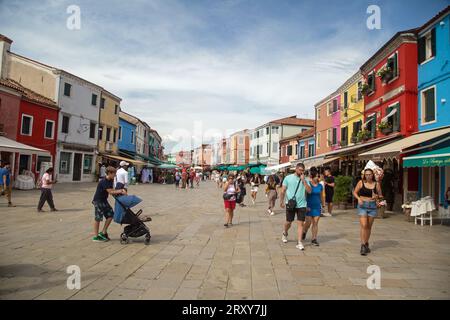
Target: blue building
<point>127,138</point>
<point>433,106</point>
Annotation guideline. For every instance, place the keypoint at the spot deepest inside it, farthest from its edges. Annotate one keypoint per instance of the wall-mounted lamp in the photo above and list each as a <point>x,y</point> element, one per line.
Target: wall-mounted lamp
<point>443,100</point>
<point>442,23</point>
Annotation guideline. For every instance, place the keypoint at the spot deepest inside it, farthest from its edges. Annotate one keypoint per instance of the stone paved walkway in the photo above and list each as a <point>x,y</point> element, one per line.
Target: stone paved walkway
<point>192,256</point>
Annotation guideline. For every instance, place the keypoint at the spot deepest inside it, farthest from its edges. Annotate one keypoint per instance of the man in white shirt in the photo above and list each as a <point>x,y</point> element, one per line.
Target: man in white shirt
<point>122,175</point>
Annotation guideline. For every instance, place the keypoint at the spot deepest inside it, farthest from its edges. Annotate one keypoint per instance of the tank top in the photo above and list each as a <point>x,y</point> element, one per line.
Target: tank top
<point>366,192</point>
<point>232,190</point>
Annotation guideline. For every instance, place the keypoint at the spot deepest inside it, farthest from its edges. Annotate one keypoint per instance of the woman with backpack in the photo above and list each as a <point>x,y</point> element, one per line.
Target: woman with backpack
<point>231,190</point>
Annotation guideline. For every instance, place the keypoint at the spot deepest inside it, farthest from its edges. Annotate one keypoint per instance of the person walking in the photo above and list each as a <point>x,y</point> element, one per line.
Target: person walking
<point>329,192</point>
<point>243,191</point>
<point>230,189</point>
<point>184,177</point>
<point>314,201</point>
<point>293,198</point>
<point>367,192</point>
<point>6,182</point>
<point>177,179</point>
<point>271,192</point>
<point>192,177</point>
<point>255,182</point>
<point>46,184</point>
<point>121,176</point>
<point>102,171</point>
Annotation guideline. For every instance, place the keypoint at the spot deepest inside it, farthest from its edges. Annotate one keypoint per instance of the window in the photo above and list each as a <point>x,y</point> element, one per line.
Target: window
<point>267,148</point>
<point>328,137</point>
<point>94,99</point>
<point>427,46</point>
<point>132,137</point>
<point>257,134</point>
<point>392,63</point>
<point>329,110</point>
<point>274,147</point>
<point>345,99</point>
<point>27,125</point>
<point>360,96</point>
<point>115,135</point>
<point>371,81</point>
<point>64,162</point>
<point>371,125</point>
<point>335,105</point>
<point>116,109</point>
<point>87,164</point>
<point>92,130</point>
<point>67,89</point>
<point>49,125</point>
<point>334,136</point>
<point>289,150</point>
<point>318,114</point>
<point>394,120</point>
<point>296,149</point>
<point>241,156</point>
<point>102,103</point>
<point>267,130</point>
<point>274,130</point>
<point>302,152</point>
<point>311,150</point>
<point>120,133</point>
<point>65,124</point>
<point>344,136</point>
<point>428,105</point>
<point>108,134</point>
<point>318,140</point>
<point>241,140</point>
<point>100,132</point>
<point>356,127</point>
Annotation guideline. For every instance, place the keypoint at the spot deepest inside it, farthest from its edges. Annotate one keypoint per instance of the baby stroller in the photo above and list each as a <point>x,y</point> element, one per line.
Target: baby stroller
<point>135,225</point>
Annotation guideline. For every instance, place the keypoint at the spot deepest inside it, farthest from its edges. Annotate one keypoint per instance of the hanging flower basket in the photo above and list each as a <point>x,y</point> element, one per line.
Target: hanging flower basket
<point>365,89</point>
<point>385,74</point>
<point>354,139</point>
<point>385,127</point>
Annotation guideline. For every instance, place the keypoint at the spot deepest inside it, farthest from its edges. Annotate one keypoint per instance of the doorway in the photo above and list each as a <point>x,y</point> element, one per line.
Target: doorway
<point>24,162</point>
<point>77,162</point>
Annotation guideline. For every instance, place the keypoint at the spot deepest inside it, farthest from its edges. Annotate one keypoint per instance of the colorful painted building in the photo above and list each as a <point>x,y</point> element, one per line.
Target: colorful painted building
<point>127,135</point>
<point>326,119</point>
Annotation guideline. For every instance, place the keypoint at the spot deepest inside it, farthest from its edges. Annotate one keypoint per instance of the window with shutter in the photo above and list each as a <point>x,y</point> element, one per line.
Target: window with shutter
<point>429,109</point>
<point>396,118</point>
<point>433,42</point>
<point>334,136</point>
<point>421,49</point>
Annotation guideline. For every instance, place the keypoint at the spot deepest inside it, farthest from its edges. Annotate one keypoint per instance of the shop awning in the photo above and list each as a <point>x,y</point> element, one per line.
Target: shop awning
<point>395,148</point>
<point>9,145</point>
<point>259,170</point>
<point>434,158</point>
<point>167,166</point>
<point>315,161</point>
<point>119,158</point>
<point>271,169</point>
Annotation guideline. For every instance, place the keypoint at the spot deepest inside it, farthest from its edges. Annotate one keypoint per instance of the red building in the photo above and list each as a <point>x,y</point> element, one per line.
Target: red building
<point>31,119</point>
<point>391,87</point>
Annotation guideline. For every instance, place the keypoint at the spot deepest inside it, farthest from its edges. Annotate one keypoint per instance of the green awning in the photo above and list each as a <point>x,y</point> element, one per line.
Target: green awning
<point>259,169</point>
<point>434,158</point>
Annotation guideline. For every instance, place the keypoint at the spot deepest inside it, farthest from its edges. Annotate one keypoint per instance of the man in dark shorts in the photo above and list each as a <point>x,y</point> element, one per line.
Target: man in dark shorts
<point>295,187</point>
<point>105,187</point>
<point>329,192</point>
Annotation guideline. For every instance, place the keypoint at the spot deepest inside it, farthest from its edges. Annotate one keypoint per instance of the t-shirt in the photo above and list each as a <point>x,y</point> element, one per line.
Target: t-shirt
<point>102,171</point>
<point>122,177</point>
<point>329,189</point>
<point>5,172</point>
<point>101,195</point>
<point>291,182</point>
<point>44,181</point>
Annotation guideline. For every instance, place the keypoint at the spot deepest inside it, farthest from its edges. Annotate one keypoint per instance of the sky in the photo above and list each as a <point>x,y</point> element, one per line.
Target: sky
<point>195,70</point>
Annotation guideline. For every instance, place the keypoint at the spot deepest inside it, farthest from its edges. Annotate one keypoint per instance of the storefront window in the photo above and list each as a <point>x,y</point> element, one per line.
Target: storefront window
<point>87,166</point>
<point>64,162</point>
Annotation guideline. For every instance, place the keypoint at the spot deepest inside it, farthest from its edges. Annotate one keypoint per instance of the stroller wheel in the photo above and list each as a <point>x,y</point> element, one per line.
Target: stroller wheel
<point>147,239</point>
<point>123,238</point>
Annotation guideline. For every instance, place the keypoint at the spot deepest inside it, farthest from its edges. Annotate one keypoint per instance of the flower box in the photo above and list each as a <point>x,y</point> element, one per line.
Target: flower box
<point>354,139</point>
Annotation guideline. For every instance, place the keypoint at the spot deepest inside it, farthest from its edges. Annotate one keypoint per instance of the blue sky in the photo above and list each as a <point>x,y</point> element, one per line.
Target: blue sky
<point>219,65</point>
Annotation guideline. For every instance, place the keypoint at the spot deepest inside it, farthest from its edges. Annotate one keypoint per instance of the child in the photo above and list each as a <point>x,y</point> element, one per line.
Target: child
<point>105,187</point>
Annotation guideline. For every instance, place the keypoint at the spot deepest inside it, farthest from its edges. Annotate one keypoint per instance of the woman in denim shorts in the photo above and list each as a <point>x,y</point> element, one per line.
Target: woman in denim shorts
<point>367,191</point>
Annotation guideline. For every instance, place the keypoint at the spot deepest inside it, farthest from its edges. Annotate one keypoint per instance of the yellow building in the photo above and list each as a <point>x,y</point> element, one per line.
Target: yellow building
<point>352,112</point>
<point>108,125</point>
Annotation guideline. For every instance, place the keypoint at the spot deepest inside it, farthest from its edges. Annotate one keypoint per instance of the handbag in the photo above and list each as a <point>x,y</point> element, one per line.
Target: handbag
<point>292,203</point>
<point>228,196</point>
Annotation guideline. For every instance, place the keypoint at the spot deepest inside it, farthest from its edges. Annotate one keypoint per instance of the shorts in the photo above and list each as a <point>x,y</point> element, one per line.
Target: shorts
<point>254,189</point>
<point>314,212</point>
<point>301,214</point>
<point>329,196</point>
<point>102,209</point>
<point>230,204</point>
<point>368,208</point>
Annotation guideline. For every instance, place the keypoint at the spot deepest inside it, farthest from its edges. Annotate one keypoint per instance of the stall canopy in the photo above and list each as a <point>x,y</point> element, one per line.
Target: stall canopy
<point>167,166</point>
<point>395,148</point>
<point>259,169</point>
<point>135,162</point>
<point>9,145</point>
<point>434,158</point>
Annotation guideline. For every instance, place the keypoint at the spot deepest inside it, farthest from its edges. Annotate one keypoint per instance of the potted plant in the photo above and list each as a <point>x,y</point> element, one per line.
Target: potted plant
<point>363,135</point>
<point>365,89</point>
<point>342,190</point>
<point>381,208</point>
<point>407,207</point>
<point>354,138</point>
<point>385,127</point>
<point>385,74</point>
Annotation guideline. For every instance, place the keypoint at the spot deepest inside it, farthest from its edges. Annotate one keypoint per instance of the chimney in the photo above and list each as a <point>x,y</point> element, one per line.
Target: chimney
<point>5,45</point>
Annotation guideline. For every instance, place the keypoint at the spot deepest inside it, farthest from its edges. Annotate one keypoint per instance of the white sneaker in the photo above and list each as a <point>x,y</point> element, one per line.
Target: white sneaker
<point>300,246</point>
<point>326,214</point>
<point>284,238</point>
<point>268,211</point>
<point>272,213</point>
<point>253,201</point>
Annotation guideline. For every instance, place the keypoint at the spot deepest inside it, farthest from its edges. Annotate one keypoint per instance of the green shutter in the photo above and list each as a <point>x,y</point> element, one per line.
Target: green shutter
<point>396,118</point>
<point>433,42</point>
<point>396,65</point>
<point>421,49</point>
<point>429,107</point>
